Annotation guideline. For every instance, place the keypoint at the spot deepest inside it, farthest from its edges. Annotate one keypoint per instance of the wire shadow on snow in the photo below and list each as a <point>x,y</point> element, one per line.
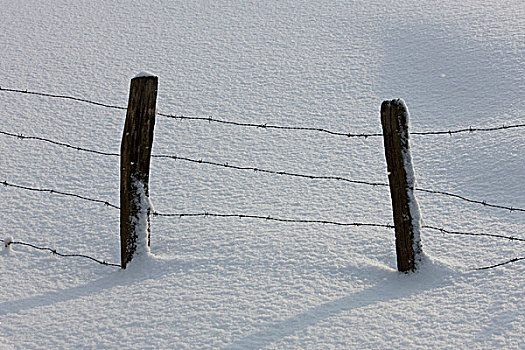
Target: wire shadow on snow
<point>143,268</point>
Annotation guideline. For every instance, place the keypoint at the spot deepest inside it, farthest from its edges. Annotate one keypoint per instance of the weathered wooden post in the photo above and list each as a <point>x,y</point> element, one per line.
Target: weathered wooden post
<point>135,154</point>
<point>394,119</point>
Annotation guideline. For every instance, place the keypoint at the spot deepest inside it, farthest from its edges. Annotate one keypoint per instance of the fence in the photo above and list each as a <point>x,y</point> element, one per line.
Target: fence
<point>134,192</point>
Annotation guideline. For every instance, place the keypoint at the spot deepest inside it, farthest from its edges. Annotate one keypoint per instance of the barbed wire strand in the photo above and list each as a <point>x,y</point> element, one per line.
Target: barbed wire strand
<point>338,178</point>
<point>472,233</point>
<point>66,97</point>
<point>500,264</point>
<point>336,133</point>
<point>58,143</point>
<point>484,203</point>
<point>261,217</point>
<point>54,251</point>
<point>265,125</point>
<point>106,203</point>
<point>266,171</point>
<point>469,130</point>
<point>270,126</point>
<point>103,262</point>
<point>270,218</point>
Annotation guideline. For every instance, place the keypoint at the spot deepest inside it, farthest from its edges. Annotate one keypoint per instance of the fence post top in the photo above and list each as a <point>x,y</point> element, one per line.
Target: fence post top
<point>144,75</point>
<point>396,101</point>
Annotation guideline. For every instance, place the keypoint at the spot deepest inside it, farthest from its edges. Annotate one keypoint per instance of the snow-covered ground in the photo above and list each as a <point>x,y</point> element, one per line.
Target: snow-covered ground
<point>243,283</point>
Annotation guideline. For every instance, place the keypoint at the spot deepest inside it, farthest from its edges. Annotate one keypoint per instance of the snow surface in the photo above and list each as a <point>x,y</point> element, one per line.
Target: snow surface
<point>140,222</point>
<point>249,284</point>
<point>144,75</point>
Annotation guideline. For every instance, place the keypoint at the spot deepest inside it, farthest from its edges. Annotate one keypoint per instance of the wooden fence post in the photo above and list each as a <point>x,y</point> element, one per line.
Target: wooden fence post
<point>135,154</point>
<point>394,119</point>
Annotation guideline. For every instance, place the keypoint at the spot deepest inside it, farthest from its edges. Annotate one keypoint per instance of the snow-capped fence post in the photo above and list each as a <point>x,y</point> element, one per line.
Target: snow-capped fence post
<point>394,119</point>
<point>137,140</point>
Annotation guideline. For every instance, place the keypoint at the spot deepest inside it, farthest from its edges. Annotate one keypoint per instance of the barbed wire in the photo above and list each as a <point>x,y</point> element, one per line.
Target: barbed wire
<point>270,218</point>
<point>500,264</point>
<point>103,262</point>
<point>328,222</point>
<point>467,130</point>
<point>472,233</point>
<point>269,126</point>
<point>338,178</point>
<point>266,171</point>
<point>262,217</point>
<point>336,133</point>
<point>58,143</point>
<point>106,203</point>
<point>54,251</point>
<point>66,97</point>
<point>265,125</point>
<point>484,203</point>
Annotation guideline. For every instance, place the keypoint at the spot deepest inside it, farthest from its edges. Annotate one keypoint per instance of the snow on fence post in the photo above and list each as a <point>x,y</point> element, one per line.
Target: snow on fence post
<point>135,154</point>
<point>394,119</point>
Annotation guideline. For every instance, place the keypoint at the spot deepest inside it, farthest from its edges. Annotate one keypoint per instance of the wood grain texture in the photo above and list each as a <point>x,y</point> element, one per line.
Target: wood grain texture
<point>137,141</point>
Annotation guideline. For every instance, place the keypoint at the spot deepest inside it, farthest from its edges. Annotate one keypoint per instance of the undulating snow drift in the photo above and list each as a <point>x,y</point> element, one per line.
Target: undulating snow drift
<point>247,284</point>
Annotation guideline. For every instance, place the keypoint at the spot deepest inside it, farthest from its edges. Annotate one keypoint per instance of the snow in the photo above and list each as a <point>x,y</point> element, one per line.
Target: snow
<point>233,283</point>
<point>144,75</point>
<point>141,222</point>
